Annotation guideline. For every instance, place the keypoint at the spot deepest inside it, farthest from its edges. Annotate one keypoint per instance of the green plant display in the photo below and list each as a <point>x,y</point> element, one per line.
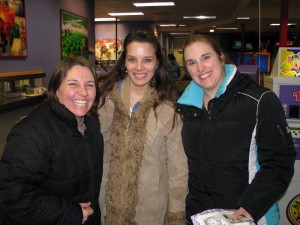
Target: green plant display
<point>74,35</point>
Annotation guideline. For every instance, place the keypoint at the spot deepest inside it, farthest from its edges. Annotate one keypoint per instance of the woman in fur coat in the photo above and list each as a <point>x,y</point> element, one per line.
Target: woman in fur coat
<point>145,167</point>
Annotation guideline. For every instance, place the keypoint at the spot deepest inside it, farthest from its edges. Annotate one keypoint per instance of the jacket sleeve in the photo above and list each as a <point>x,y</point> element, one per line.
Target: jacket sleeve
<point>23,165</point>
<point>178,176</point>
<point>276,157</point>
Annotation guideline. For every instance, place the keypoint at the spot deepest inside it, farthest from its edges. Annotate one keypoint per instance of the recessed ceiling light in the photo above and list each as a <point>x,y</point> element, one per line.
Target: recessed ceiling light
<point>227,28</point>
<point>199,17</point>
<point>278,24</point>
<point>105,19</point>
<point>168,25</point>
<point>147,4</point>
<point>172,25</point>
<point>243,18</point>
<point>179,33</point>
<point>127,14</point>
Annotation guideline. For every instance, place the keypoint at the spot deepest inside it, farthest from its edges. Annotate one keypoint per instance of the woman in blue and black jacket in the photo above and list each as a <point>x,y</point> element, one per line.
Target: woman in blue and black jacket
<point>239,146</point>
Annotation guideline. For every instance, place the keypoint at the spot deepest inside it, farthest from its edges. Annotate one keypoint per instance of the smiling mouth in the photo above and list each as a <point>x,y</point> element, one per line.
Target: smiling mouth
<point>205,75</point>
<point>80,103</point>
<point>140,75</point>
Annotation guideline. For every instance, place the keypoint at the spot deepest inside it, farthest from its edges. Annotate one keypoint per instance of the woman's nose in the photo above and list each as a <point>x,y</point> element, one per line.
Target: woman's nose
<point>83,91</point>
<point>200,66</point>
<point>139,65</point>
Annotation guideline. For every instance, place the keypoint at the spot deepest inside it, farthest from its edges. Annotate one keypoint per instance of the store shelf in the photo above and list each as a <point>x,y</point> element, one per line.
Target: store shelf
<point>22,75</point>
<point>12,103</point>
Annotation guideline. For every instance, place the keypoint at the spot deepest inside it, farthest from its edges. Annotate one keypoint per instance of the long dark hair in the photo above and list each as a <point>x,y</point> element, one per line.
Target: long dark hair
<point>60,74</point>
<point>161,80</point>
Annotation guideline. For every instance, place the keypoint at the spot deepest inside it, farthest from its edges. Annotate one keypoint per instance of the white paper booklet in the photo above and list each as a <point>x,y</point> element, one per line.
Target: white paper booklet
<point>219,217</point>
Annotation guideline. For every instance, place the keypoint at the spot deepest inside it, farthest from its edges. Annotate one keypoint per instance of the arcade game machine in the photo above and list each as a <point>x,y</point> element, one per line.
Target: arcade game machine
<point>285,82</point>
<point>259,69</point>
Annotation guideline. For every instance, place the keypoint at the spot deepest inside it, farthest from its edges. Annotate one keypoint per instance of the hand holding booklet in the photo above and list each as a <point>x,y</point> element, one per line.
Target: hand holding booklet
<point>241,220</point>
<point>219,217</point>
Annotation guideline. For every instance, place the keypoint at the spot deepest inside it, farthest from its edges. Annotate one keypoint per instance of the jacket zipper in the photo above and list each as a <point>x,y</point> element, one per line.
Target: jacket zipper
<point>209,106</point>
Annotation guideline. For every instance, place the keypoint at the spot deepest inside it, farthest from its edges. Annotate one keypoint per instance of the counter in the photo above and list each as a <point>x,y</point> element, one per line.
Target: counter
<point>13,103</point>
<point>34,78</point>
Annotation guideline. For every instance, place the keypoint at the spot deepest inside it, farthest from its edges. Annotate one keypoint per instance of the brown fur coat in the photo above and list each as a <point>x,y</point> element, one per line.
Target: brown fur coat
<point>145,167</point>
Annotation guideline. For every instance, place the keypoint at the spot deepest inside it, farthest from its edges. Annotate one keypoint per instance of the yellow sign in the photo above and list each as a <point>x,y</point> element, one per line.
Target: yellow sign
<point>293,210</point>
<point>289,62</point>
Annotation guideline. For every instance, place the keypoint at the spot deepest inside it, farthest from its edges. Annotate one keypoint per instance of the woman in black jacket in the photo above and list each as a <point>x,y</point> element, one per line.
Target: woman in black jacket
<point>239,147</point>
<point>51,167</point>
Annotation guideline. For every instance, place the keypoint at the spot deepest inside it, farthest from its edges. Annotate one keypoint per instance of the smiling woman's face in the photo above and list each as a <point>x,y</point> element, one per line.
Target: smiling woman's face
<point>77,91</point>
<point>140,63</point>
<point>204,65</point>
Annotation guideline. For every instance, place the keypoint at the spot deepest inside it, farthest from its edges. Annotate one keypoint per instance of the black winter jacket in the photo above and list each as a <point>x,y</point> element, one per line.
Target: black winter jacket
<point>48,168</point>
<point>240,152</point>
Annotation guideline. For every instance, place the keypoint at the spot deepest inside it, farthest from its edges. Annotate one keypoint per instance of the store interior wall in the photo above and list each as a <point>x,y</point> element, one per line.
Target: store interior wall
<point>43,34</point>
<point>109,29</point>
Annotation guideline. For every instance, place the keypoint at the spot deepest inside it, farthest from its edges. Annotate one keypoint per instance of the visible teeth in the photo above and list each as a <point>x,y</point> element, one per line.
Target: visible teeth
<point>80,102</point>
<point>140,74</point>
<point>205,75</point>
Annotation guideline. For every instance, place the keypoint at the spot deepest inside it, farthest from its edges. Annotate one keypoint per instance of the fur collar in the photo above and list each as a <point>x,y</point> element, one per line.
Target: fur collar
<point>127,148</point>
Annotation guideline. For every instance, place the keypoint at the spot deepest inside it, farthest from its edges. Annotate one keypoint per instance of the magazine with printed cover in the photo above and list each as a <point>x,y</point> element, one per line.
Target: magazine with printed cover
<point>241,220</point>
<point>219,217</point>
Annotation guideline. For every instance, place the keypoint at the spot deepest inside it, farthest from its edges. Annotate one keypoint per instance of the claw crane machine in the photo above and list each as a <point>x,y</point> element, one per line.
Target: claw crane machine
<point>285,82</point>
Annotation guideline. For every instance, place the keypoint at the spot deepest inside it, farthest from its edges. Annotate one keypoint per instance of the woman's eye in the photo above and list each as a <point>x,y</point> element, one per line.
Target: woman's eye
<point>131,59</point>
<point>148,60</point>
<point>191,63</point>
<point>72,84</point>
<point>204,58</point>
<point>91,85</point>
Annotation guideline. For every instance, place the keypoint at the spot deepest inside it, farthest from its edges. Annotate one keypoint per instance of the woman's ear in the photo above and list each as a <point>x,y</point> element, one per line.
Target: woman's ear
<point>222,58</point>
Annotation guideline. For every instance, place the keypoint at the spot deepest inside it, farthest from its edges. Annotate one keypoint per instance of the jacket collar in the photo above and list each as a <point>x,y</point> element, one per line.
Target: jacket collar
<point>194,94</point>
<point>64,114</point>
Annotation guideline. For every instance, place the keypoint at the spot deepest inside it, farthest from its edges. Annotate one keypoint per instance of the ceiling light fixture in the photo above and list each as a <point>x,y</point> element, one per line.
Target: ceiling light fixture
<point>278,24</point>
<point>199,17</point>
<point>126,14</point>
<point>172,25</point>
<point>168,25</point>
<point>227,28</point>
<point>149,4</point>
<point>211,30</point>
<point>243,18</point>
<point>105,19</point>
<point>179,33</point>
